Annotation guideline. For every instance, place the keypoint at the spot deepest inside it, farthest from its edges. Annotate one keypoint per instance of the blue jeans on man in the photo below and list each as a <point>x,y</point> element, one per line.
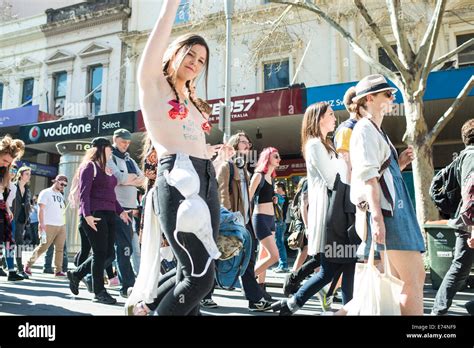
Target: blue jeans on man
<point>123,252</point>
<point>456,277</point>
<point>280,228</point>
<point>48,260</point>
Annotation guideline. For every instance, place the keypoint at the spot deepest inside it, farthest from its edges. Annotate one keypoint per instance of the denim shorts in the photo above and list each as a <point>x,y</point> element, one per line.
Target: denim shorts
<point>402,231</point>
<point>263,225</point>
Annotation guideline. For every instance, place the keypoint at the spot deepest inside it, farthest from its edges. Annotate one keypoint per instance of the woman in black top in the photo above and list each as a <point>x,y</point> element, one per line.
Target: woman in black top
<point>263,218</point>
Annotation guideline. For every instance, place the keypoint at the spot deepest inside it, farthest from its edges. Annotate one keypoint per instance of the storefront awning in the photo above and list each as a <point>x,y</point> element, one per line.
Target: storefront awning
<point>441,85</point>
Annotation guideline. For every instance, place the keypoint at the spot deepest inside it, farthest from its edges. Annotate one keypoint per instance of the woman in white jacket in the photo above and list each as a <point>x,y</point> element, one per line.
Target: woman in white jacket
<point>323,166</point>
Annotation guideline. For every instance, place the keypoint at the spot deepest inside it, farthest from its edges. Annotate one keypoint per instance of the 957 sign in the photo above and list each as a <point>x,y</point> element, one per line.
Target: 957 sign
<point>237,106</point>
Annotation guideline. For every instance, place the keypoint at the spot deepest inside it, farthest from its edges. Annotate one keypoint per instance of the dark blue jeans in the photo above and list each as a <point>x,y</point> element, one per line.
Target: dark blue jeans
<point>456,276</point>
<point>280,242</point>
<point>182,296</point>
<point>325,276</point>
<point>123,252</point>
<point>48,259</point>
<point>253,292</point>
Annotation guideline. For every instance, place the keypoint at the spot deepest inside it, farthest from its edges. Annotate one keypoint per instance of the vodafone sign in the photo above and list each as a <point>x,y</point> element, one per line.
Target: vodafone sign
<point>79,128</point>
<point>268,104</point>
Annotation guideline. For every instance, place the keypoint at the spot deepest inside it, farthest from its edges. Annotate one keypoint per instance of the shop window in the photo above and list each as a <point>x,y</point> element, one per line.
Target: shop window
<point>95,88</point>
<point>276,75</point>
<point>466,57</point>
<point>60,86</point>
<point>27,92</point>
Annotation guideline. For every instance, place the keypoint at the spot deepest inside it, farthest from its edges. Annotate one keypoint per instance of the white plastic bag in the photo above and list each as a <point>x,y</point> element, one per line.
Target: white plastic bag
<point>375,293</point>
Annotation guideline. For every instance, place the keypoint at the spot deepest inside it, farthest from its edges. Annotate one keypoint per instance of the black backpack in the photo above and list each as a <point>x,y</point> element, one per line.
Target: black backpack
<point>445,190</point>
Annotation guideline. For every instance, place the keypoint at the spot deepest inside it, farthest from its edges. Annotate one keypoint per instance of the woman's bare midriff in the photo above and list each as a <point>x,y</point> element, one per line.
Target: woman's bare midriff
<point>265,208</point>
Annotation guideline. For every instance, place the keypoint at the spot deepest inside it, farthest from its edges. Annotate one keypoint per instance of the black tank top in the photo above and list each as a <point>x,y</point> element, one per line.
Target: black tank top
<point>266,193</point>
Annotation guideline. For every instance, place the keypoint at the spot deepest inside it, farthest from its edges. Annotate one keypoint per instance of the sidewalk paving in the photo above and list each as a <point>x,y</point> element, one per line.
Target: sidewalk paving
<point>43,294</point>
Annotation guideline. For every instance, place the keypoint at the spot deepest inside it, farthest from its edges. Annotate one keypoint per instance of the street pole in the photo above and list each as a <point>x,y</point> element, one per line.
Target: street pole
<point>229,9</point>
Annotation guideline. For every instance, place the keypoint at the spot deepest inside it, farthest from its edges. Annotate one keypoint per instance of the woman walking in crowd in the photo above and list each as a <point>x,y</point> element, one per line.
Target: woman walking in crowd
<point>176,125</point>
<point>263,219</point>
<point>98,206</point>
<point>10,151</point>
<point>377,180</point>
<point>323,167</point>
<point>21,212</point>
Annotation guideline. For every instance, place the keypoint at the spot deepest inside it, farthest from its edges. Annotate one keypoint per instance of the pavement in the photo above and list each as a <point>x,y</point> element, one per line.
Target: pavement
<point>45,295</point>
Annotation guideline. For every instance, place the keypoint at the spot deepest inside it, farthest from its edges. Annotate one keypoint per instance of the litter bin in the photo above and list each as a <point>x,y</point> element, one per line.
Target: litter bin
<point>441,245</point>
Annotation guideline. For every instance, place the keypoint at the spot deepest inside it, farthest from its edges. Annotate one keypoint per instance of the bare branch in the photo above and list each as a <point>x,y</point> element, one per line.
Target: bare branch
<point>429,51</point>
<point>346,35</point>
<point>275,25</point>
<point>432,29</point>
<point>448,115</point>
<point>376,30</point>
<point>405,52</point>
<point>451,54</point>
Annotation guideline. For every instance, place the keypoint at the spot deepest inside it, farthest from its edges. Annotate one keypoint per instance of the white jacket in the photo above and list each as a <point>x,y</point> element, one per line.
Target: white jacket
<point>368,151</point>
<point>322,170</point>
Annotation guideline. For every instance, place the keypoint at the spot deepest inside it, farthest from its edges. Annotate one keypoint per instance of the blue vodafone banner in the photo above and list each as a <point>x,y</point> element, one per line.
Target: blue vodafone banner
<point>19,116</point>
<point>39,169</point>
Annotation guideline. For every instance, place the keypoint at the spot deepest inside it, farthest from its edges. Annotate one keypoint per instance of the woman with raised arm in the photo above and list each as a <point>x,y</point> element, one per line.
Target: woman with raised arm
<point>176,124</point>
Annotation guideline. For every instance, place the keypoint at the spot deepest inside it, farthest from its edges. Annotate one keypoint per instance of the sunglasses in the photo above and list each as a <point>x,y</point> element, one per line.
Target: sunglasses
<point>62,185</point>
<point>389,94</point>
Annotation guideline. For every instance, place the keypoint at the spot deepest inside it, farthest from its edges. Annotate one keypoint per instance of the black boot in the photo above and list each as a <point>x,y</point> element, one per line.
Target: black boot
<point>2,273</point>
<point>291,285</point>
<point>282,307</point>
<point>13,276</point>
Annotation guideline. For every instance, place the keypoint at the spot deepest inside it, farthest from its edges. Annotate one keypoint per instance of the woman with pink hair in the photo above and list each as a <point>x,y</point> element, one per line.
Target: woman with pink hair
<point>263,220</point>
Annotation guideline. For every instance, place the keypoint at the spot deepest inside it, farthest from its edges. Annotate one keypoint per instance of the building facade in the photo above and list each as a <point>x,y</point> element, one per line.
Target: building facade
<point>76,67</point>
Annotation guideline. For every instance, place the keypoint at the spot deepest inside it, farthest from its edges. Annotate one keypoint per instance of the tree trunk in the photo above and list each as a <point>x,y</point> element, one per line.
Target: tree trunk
<point>423,169</point>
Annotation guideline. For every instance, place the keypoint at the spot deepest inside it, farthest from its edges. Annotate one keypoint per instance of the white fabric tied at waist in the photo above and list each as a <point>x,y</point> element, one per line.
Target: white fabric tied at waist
<point>146,284</point>
<point>193,214</point>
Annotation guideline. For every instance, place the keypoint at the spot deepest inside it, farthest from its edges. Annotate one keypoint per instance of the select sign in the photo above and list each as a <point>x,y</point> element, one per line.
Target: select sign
<point>77,128</point>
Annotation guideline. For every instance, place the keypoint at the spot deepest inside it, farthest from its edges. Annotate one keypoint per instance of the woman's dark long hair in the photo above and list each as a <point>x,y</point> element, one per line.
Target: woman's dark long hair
<point>175,54</point>
<point>310,127</point>
<point>95,154</point>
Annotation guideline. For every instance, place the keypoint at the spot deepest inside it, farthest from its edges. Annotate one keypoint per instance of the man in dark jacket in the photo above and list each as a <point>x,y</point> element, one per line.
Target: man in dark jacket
<point>233,190</point>
<point>464,251</point>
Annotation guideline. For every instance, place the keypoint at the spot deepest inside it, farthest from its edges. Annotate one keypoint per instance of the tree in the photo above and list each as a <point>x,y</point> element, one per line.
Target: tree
<point>414,67</point>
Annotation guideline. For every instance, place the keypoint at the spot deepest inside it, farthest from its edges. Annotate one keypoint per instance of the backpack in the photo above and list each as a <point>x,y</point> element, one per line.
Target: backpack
<point>74,199</point>
<point>234,242</point>
<point>445,190</point>
<point>296,229</point>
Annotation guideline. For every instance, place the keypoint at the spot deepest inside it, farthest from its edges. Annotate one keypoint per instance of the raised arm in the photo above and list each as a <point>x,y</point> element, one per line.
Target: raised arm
<point>150,69</point>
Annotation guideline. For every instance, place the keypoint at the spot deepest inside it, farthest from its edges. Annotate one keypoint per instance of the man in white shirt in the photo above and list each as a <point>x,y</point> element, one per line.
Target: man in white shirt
<point>52,222</point>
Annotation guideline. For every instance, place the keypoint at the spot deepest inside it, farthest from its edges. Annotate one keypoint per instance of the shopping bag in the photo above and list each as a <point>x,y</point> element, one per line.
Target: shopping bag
<point>375,293</point>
